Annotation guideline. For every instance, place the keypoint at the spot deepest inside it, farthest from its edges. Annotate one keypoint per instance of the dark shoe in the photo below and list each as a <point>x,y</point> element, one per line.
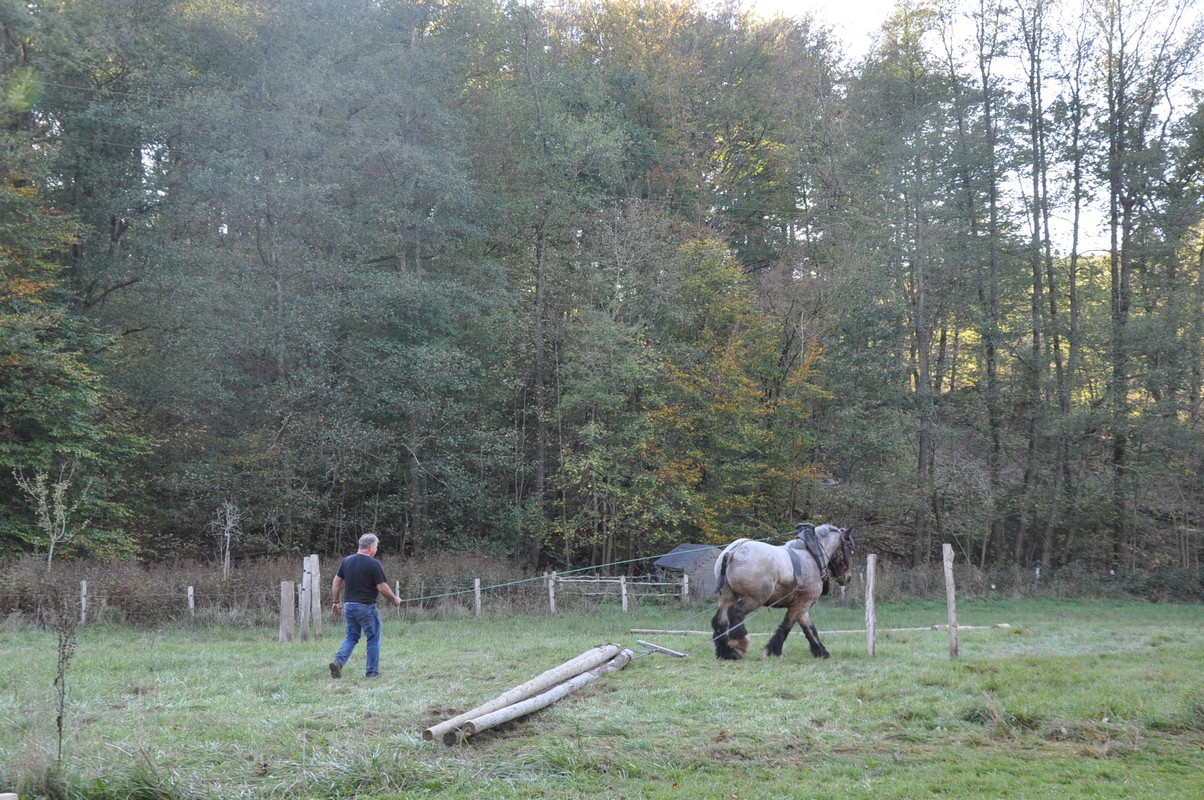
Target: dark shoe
<point>373,675</point>
<point>336,669</point>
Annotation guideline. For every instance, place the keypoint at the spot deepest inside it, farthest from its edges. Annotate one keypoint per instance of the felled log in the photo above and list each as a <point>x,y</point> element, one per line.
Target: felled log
<point>569,669</point>
<point>542,700</point>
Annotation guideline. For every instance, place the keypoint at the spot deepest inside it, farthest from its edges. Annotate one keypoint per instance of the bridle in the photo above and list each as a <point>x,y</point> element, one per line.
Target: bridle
<point>841,557</point>
<point>847,550</point>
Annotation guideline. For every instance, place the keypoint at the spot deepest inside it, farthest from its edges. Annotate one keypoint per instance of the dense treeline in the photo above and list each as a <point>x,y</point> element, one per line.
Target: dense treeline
<point>576,282</point>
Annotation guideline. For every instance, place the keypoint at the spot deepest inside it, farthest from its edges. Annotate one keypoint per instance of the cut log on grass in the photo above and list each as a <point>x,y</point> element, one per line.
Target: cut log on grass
<point>571,668</point>
<point>544,699</point>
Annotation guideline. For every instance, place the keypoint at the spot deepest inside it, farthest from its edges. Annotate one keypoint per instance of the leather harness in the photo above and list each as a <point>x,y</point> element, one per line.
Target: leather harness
<point>805,539</point>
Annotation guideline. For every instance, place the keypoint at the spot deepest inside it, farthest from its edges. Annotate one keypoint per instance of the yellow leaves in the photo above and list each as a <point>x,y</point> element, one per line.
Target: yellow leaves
<point>22,91</point>
<point>23,289</point>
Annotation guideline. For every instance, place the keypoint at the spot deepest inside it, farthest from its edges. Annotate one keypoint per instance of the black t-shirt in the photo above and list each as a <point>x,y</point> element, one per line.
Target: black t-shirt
<point>360,574</point>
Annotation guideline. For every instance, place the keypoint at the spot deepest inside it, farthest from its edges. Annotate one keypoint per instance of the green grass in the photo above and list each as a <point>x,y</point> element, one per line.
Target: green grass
<point>1077,699</point>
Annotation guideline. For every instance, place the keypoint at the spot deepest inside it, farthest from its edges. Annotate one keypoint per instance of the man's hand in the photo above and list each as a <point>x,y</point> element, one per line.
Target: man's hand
<point>338,608</point>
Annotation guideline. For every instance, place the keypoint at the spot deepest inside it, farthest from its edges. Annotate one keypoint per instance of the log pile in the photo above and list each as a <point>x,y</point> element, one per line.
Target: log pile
<point>537,693</point>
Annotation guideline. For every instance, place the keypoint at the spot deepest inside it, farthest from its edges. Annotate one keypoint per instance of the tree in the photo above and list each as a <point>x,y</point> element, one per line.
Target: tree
<point>720,436</point>
<point>57,414</point>
<point>55,506</point>
<point>1144,59</point>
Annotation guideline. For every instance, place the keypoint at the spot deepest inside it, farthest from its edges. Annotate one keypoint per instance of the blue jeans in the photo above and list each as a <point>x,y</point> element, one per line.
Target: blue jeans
<point>361,618</point>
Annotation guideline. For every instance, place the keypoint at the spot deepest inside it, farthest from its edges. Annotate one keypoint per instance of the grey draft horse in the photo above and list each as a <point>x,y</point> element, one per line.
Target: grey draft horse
<point>752,574</point>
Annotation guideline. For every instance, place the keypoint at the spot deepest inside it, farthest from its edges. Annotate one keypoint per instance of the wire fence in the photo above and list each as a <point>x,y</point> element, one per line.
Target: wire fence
<point>454,587</point>
<point>123,594</point>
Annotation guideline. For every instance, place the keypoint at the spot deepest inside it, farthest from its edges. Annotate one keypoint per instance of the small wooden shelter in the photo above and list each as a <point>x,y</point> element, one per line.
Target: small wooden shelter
<point>695,560</point>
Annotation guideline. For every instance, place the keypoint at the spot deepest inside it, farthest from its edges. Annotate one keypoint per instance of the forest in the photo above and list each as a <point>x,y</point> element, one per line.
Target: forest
<point>574,282</point>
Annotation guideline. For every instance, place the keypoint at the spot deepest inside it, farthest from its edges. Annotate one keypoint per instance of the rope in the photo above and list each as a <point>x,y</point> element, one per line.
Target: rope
<point>458,593</point>
<point>543,577</point>
<point>710,641</point>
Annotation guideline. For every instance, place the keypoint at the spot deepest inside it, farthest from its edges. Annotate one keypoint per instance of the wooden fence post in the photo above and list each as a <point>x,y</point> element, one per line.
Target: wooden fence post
<point>303,602</point>
<point>476,596</point>
<point>871,621</point>
<point>950,598</point>
<point>83,602</point>
<point>552,593</point>
<point>191,602</point>
<point>685,587</point>
<point>288,605</point>
<point>623,591</point>
<point>315,595</point>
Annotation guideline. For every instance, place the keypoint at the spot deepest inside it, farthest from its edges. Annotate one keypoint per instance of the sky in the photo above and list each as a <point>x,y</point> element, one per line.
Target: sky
<point>854,21</point>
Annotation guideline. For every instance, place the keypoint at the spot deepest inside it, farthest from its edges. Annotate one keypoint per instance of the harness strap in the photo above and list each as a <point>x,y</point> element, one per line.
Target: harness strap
<point>797,562</point>
<point>806,535</point>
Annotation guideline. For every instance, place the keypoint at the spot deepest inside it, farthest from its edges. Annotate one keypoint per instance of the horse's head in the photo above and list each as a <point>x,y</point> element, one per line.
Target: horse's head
<point>840,562</point>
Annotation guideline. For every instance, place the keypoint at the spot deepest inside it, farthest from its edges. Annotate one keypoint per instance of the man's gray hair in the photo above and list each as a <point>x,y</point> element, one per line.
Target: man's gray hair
<point>368,540</point>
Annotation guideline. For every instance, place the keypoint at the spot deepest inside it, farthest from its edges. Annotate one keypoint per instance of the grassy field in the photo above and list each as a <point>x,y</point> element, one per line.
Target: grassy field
<point>1077,699</point>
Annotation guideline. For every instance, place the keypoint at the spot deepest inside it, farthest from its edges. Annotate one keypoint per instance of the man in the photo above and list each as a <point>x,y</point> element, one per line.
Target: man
<point>363,578</point>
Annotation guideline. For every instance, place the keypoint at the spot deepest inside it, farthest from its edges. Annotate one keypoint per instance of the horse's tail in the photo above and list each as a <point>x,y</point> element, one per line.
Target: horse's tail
<point>722,571</point>
<point>721,567</point>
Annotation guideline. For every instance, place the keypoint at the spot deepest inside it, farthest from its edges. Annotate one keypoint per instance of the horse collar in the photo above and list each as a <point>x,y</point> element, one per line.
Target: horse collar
<point>806,535</point>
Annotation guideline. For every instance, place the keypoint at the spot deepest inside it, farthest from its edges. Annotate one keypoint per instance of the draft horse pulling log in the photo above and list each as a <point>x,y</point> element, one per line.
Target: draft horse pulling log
<point>792,576</point>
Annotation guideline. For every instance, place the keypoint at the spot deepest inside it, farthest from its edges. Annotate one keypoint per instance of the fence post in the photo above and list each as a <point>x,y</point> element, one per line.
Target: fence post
<point>303,601</point>
<point>552,592</point>
<point>871,622</point>
<point>623,591</point>
<point>950,598</point>
<point>685,587</point>
<point>315,597</point>
<point>476,596</point>
<point>83,602</point>
<point>288,604</point>
<point>191,602</point>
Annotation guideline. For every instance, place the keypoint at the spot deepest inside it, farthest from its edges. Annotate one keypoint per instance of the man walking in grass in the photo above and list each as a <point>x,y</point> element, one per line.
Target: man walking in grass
<point>359,580</point>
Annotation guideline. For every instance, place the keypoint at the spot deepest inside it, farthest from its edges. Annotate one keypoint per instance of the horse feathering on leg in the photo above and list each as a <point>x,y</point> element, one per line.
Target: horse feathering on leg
<point>752,574</point>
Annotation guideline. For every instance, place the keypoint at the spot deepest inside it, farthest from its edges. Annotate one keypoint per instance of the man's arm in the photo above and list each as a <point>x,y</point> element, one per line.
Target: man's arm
<point>383,588</point>
<point>336,591</point>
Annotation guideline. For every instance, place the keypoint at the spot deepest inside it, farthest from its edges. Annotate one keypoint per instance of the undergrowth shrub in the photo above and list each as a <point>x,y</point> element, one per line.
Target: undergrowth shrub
<point>126,592</point>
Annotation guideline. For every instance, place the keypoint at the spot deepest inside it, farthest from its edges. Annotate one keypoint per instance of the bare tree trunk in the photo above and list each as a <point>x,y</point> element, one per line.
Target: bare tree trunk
<point>922,367</point>
<point>989,293</point>
<point>1076,82</point>
<point>1120,218</point>
<point>1045,342</point>
<point>541,423</point>
<point>1197,358</point>
<point>416,481</point>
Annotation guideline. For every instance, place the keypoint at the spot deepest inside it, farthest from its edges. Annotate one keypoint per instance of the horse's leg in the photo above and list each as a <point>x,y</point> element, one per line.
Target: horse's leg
<point>731,637</point>
<point>774,648</point>
<point>728,626</point>
<point>739,634</point>
<point>719,626</point>
<point>817,647</point>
